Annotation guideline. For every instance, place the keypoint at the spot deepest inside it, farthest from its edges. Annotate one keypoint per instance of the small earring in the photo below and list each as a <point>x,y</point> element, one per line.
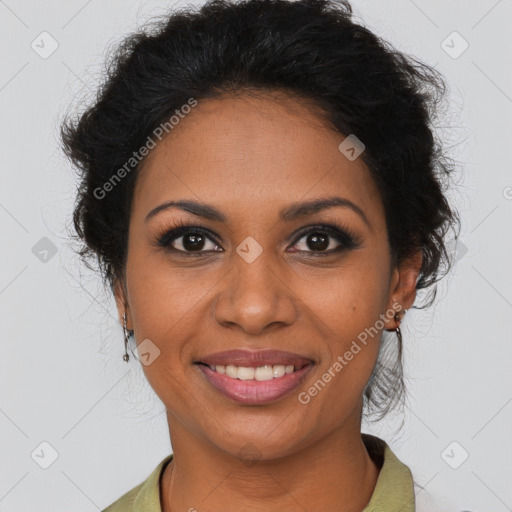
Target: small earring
<point>399,316</point>
<point>397,330</point>
<point>399,335</point>
<point>126,357</point>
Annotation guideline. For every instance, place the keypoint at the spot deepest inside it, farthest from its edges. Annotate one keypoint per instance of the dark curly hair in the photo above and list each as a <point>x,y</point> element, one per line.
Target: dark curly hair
<point>310,49</point>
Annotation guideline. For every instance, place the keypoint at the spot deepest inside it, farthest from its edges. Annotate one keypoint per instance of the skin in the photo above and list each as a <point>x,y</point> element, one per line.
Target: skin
<point>250,157</point>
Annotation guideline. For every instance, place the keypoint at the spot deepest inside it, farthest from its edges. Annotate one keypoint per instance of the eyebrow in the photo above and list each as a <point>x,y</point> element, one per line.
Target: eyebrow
<point>292,212</point>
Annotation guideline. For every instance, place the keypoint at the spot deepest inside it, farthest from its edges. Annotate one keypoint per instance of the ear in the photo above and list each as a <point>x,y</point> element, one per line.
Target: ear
<point>403,287</point>
<point>122,303</point>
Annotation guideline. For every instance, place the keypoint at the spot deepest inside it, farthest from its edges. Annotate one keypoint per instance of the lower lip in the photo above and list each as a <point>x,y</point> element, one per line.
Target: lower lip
<point>255,392</point>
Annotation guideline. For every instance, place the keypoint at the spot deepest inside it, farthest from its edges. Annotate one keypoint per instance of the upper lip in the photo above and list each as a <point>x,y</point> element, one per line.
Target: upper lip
<point>255,358</point>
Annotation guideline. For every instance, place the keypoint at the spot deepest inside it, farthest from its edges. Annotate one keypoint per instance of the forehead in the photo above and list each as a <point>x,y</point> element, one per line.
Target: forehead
<point>252,152</point>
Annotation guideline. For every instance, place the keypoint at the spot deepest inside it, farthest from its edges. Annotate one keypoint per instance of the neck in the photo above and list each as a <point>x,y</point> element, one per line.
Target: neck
<point>336,473</point>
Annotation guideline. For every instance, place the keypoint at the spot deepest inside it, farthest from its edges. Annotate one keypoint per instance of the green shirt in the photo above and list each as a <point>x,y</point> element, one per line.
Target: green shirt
<point>393,491</point>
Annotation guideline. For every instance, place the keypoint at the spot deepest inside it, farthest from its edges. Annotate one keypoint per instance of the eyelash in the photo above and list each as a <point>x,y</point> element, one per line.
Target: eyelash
<point>345,237</point>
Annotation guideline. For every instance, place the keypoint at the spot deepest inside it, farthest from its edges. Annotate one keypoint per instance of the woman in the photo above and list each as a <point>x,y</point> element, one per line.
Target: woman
<point>264,194</point>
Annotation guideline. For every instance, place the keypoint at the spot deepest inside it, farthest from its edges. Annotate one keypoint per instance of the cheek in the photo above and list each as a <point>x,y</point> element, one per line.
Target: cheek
<point>350,348</point>
<point>162,297</point>
<point>351,298</point>
<point>162,310</point>
<point>348,306</point>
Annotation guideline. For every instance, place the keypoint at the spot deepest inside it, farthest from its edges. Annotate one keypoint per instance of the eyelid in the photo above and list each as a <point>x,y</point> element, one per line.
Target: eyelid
<point>171,234</point>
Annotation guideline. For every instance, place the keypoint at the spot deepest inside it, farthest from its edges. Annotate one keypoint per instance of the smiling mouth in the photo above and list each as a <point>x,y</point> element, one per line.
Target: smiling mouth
<point>255,385</point>
<point>258,373</point>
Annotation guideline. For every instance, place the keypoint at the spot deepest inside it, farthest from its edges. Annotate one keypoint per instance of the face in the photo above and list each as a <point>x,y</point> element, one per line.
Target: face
<point>263,274</point>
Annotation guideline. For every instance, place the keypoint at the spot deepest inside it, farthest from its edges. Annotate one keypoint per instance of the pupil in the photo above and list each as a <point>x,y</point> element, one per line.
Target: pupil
<point>193,242</point>
<point>318,241</point>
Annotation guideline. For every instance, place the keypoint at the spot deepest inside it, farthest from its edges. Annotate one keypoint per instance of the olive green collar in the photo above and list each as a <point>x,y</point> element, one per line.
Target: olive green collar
<point>393,491</point>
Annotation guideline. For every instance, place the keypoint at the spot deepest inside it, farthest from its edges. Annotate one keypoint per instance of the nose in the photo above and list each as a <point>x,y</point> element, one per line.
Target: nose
<point>255,296</point>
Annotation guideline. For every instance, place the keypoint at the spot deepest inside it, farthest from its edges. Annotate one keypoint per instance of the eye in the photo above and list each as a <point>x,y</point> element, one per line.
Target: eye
<point>188,239</point>
<point>319,240</point>
<point>323,240</point>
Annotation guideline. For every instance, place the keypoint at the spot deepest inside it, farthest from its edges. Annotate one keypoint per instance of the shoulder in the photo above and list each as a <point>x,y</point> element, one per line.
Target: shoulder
<point>395,487</point>
<point>144,497</point>
<point>125,502</point>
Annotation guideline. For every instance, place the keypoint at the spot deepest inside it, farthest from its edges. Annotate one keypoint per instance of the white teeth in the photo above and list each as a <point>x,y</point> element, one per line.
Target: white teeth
<point>267,372</point>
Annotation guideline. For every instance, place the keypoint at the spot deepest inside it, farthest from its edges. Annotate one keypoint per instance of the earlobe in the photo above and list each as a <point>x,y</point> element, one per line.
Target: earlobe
<point>123,308</point>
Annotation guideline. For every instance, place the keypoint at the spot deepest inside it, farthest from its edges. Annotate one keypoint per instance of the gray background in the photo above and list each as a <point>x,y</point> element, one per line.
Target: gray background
<point>62,378</point>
